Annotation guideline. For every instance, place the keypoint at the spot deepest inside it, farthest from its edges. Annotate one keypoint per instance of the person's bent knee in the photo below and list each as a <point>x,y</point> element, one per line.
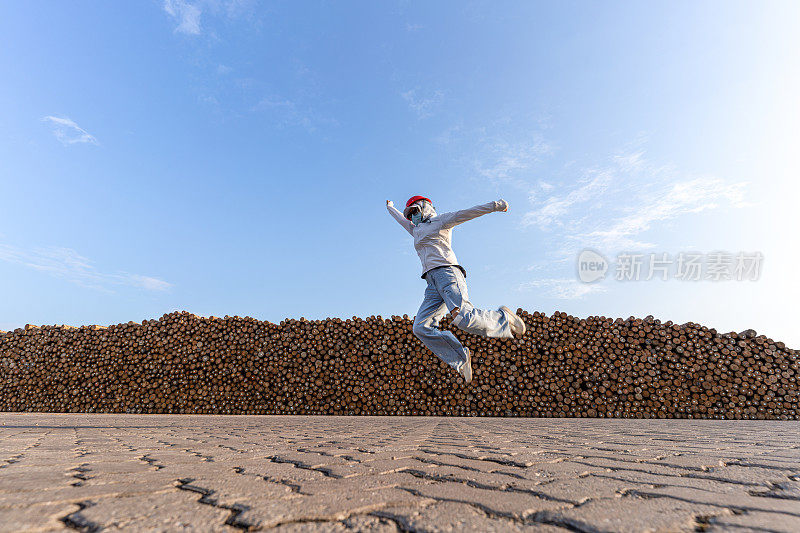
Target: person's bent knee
<point>419,329</point>
<point>460,316</point>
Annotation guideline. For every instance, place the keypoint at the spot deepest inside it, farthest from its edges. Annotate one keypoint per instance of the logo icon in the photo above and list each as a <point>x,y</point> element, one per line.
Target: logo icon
<point>591,266</point>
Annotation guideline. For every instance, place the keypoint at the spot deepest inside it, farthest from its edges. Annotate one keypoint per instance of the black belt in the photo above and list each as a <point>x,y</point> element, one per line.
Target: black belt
<point>445,266</point>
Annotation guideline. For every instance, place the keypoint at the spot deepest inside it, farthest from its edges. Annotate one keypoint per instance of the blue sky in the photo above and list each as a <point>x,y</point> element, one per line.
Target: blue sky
<point>234,157</point>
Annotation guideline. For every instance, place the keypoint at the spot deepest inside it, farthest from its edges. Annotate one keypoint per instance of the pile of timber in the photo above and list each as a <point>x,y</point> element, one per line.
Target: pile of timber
<point>562,367</point>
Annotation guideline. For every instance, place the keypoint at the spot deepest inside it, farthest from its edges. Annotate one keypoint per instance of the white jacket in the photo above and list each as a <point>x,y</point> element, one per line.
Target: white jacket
<point>432,237</point>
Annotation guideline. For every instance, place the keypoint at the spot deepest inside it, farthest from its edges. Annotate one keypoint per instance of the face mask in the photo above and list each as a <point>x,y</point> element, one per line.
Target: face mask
<point>427,211</point>
<point>416,218</point>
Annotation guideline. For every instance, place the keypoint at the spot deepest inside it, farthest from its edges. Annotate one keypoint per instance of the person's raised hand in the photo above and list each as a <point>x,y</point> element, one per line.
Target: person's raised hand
<point>506,205</point>
<point>389,203</point>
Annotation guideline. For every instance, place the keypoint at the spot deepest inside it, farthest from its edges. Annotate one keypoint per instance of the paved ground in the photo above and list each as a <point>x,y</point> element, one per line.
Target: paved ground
<point>297,473</point>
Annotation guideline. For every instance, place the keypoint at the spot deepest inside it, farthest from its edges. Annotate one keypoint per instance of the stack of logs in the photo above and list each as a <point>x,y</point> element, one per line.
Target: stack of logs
<point>562,367</point>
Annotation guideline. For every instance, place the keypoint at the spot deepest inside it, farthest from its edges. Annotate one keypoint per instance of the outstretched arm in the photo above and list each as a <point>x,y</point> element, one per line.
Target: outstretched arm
<point>458,217</point>
<point>398,216</point>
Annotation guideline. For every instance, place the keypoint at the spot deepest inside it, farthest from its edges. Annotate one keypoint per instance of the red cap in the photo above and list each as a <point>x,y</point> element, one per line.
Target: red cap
<point>411,201</point>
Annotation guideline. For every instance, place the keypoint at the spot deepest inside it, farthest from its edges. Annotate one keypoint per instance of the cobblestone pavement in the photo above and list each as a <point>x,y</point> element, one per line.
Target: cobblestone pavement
<point>301,473</point>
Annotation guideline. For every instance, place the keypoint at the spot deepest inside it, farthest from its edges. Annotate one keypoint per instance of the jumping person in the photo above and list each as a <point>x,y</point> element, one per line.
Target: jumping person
<point>447,286</point>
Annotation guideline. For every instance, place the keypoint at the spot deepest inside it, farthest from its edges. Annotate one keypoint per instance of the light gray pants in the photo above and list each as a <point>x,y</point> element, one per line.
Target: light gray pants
<point>447,289</point>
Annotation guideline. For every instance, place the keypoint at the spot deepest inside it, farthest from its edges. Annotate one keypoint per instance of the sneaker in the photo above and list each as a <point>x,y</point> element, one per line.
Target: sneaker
<point>466,367</point>
<point>516,323</point>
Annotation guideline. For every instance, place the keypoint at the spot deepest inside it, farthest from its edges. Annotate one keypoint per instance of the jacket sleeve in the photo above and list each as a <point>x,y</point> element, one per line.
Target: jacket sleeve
<point>457,217</point>
<point>398,216</point>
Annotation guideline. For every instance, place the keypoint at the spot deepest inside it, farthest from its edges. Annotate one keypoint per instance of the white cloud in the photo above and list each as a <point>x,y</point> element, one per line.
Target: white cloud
<point>556,208</point>
<point>678,199</point>
<point>151,284</point>
<point>448,135</point>
<point>563,288</point>
<point>66,263</point>
<point>422,105</point>
<point>185,14</point>
<point>611,207</point>
<point>500,152</point>
<point>630,162</point>
<point>68,132</point>
<point>234,8</point>
<point>502,161</point>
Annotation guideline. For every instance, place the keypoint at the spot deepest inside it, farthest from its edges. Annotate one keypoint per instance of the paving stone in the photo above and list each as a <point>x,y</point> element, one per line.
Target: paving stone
<point>496,480</point>
<point>310,460</point>
<point>229,490</point>
<point>298,473</point>
<point>485,464</point>
<point>41,517</point>
<point>355,484</point>
<point>19,480</point>
<point>96,467</point>
<point>497,502</point>
<point>578,490</point>
<point>782,489</point>
<point>632,515</point>
<point>560,470</point>
<point>645,481</point>
<point>369,523</point>
<point>170,511</point>
<point>614,464</point>
<point>370,468</point>
<point>279,471</point>
<point>325,506</point>
<point>736,500</point>
<point>161,477</point>
<point>78,494</point>
<point>753,521</point>
<point>453,516</point>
